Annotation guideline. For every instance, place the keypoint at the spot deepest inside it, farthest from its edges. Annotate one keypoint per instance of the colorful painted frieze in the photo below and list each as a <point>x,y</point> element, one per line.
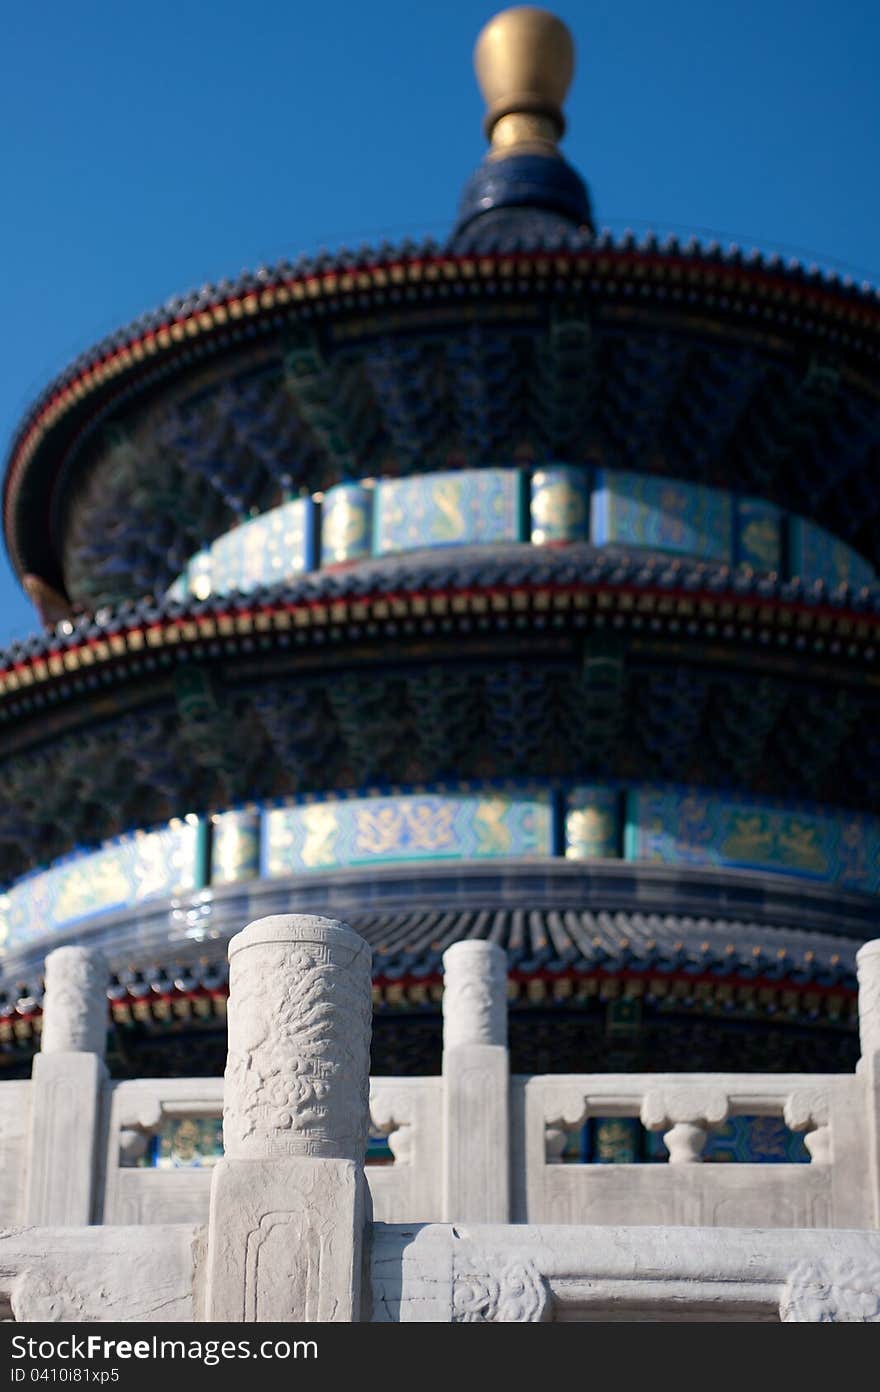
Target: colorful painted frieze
<point>817,555</point>
<point>124,872</point>
<point>459,508</point>
<point>264,550</point>
<point>624,1141</point>
<point>663,514</point>
<point>560,504</point>
<point>179,590</point>
<point>592,823</point>
<point>758,541</point>
<point>757,1139</point>
<point>555,504</point>
<point>431,826</point>
<point>691,827</point>
<point>199,574</point>
<point>235,845</point>
<point>346,523</point>
<point>186,1143</point>
<point>615,1140</point>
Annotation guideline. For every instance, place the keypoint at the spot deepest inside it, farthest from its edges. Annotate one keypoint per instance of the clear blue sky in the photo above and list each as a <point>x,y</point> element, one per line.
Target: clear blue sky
<point>146,149</point>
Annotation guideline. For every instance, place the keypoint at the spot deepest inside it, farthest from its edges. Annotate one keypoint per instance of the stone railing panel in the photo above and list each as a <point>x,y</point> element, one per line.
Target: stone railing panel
<point>685,1107</point>
<point>409,1112</point>
<point>406,1110</point>
<point>137,1111</point>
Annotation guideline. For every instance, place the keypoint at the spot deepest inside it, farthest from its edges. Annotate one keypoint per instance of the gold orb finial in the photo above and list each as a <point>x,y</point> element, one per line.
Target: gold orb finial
<point>524,60</point>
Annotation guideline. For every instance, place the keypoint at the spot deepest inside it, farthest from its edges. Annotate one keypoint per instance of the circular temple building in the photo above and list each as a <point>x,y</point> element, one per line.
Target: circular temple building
<point>517,587</point>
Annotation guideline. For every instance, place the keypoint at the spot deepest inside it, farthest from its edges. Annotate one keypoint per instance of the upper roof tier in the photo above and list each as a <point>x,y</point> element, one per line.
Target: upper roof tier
<point>525,338</point>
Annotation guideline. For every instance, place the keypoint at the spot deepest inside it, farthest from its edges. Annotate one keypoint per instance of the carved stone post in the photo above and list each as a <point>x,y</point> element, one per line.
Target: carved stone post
<point>289,1200</point>
<point>868,968</point>
<point>476,1144</point>
<point>66,1087</point>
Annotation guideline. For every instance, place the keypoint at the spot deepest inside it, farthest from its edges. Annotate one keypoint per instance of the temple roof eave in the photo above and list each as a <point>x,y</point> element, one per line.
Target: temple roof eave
<point>655,593</point>
<point>558,921</point>
<point>686,279</point>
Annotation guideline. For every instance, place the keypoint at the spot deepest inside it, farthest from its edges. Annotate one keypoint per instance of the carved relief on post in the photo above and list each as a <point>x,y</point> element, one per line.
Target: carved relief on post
<point>289,1199</point>
<point>75,1003</point>
<point>474,994</point>
<point>296,1081</point>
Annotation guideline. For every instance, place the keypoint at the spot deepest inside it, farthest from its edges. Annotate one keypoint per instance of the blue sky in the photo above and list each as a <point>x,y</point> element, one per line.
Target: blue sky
<point>147,149</point>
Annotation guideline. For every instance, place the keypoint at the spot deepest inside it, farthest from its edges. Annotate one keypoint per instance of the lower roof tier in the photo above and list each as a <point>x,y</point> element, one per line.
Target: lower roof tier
<point>581,666</point>
<point>470,834</point>
<point>611,965</point>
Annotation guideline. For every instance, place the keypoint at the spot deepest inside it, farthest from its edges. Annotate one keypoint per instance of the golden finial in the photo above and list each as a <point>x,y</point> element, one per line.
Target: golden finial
<point>524,60</point>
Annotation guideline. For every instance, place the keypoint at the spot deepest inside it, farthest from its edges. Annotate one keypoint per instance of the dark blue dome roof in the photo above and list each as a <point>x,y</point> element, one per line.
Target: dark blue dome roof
<point>522,198</point>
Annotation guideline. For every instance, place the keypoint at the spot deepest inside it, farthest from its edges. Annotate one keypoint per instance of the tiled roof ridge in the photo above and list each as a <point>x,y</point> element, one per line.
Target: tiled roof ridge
<point>575,565</point>
<point>367,257</point>
<point>685,949</point>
